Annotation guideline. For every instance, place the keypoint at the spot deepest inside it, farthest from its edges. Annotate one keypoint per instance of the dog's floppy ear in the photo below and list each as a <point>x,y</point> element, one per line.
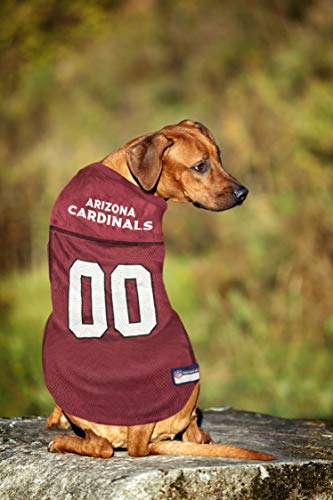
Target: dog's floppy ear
<point>200,126</point>
<point>144,159</point>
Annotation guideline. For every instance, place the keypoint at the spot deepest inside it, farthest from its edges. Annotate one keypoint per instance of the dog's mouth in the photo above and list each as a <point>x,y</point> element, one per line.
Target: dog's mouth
<point>227,206</point>
<point>220,209</point>
<point>229,200</point>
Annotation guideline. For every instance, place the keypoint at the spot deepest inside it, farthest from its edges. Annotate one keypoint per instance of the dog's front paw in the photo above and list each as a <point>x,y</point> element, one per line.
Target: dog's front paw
<point>55,445</point>
<point>50,446</point>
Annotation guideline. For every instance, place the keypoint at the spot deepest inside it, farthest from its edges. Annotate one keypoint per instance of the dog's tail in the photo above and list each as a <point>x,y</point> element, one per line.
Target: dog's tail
<point>179,448</point>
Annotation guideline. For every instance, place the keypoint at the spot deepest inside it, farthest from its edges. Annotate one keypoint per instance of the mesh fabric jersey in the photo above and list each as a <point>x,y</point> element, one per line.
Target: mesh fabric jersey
<point>114,350</point>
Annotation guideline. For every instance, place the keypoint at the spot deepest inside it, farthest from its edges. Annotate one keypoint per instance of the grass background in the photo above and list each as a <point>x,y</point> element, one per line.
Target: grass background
<point>252,285</point>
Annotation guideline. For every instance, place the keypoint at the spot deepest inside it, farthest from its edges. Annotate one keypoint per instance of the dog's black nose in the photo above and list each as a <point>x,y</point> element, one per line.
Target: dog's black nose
<point>240,194</point>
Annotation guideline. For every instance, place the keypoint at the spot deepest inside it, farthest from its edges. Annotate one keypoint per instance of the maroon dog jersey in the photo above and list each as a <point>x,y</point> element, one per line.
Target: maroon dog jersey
<point>114,351</point>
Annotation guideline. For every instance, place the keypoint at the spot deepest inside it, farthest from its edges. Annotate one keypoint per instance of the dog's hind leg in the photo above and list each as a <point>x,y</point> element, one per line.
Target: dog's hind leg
<point>90,446</point>
<point>138,437</point>
<point>57,418</point>
<point>194,433</point>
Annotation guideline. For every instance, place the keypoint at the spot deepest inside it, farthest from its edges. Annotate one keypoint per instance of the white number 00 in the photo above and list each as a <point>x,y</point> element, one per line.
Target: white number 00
<point>122,323</point>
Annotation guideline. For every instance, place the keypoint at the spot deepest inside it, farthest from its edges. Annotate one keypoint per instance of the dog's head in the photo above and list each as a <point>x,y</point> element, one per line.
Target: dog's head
<point>182,163</point>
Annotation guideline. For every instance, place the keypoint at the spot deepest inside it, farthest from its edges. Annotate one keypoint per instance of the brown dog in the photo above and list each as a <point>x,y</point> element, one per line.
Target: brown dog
<point>179,163</point>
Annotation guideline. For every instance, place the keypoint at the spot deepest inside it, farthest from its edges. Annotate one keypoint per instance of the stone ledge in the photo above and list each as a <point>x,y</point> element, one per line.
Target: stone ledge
<point>304,469</point>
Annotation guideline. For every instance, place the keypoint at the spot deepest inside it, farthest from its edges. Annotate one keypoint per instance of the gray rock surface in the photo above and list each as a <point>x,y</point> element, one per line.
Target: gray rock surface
<point>304,469</point>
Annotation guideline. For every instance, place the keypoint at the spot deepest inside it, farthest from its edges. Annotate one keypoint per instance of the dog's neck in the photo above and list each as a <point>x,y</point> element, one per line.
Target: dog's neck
<point>117,162</point>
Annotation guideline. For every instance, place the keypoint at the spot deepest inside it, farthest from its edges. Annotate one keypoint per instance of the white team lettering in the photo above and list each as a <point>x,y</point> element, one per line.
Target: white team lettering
<point>144,286</point>
<point>118,277</point>
<point>91,215</point>
<point>71,209</point>
<point>100,217</point>
<point>127,224</point>
<point>81,213</point>
<point>99,325</point>
<point>117,221</point>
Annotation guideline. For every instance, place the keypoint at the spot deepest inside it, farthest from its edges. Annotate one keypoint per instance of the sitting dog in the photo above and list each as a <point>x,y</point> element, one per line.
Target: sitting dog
<point>116,357</point>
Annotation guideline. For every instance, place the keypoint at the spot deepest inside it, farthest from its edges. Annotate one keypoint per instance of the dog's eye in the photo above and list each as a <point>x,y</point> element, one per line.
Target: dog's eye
<point>200,167</point>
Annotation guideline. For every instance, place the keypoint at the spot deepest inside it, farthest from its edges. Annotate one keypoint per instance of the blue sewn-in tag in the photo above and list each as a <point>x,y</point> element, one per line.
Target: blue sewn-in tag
<point>185,374</point>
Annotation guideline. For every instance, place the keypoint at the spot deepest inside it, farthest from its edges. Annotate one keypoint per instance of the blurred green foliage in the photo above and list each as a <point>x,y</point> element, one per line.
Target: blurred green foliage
<point>253,285</point>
